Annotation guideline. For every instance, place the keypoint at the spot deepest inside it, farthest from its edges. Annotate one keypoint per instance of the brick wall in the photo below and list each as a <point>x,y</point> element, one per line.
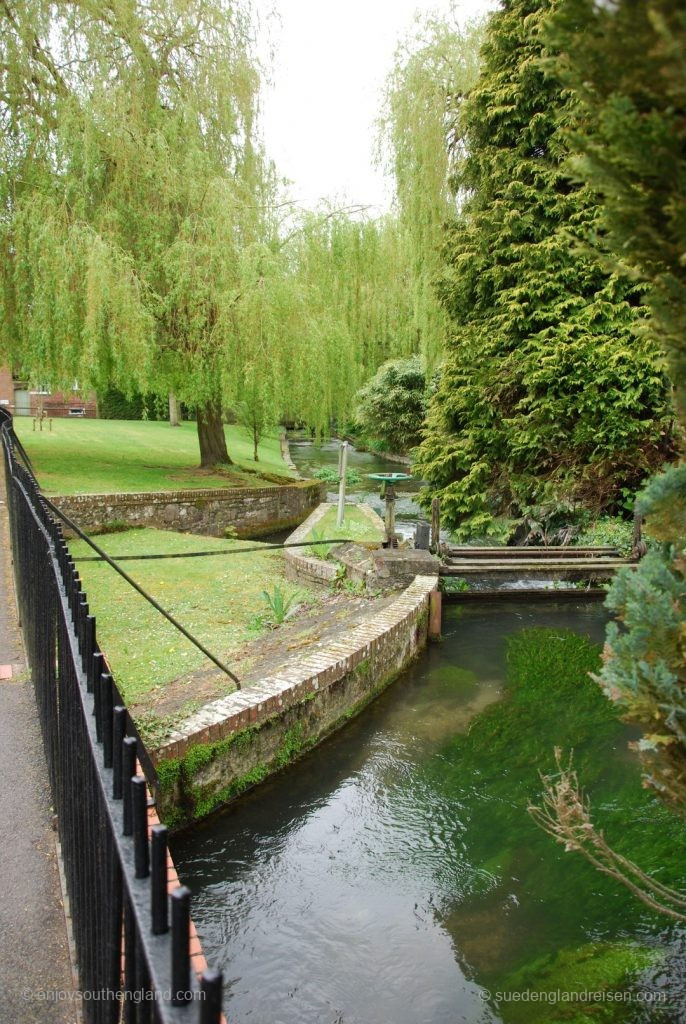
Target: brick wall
<point>57,404</point>
<point>6,388</point>
<point>246,736</point>
<point>304,567</point>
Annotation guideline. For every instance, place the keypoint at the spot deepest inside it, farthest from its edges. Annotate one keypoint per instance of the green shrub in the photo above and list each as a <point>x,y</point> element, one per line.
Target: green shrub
<point>330,476</point>
<point>608,531</point>
<point>115,405</point>
<point>391,406</point>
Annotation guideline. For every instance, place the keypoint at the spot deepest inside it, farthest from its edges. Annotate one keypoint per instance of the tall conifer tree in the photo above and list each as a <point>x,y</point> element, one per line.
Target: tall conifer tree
<point>627,62</point>
<point>549,397</point>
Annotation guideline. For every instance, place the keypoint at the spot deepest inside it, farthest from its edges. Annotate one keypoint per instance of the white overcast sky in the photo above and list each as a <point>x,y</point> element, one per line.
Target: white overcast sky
<point>331,60</point>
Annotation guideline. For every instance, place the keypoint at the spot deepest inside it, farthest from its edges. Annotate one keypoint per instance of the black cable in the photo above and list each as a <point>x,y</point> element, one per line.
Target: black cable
<point>104,557</point>
<point>151,600</point>
<point>221,551</point>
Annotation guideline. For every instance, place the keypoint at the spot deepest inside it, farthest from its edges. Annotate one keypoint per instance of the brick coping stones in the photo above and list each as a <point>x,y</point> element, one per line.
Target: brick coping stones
<point>307,568</point>
<point>325,665</point>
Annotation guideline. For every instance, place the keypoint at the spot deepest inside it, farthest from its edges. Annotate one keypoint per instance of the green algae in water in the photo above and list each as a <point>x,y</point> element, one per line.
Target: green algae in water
<point>595,968</point>
<point>525,896</point>
<point>403,873</point>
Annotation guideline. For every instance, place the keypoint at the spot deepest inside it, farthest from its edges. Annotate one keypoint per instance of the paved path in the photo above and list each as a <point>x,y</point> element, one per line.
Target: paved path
<point>33,937</point>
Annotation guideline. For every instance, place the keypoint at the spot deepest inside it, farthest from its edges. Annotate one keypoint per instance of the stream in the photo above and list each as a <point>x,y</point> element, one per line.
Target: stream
<point>393,876</point>
<point>309,457</point>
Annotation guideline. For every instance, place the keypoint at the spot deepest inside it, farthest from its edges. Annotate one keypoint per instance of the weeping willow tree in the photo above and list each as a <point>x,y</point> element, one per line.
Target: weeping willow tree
<point>418,145</point>
<point>349,311</point>
<point>132,185</point>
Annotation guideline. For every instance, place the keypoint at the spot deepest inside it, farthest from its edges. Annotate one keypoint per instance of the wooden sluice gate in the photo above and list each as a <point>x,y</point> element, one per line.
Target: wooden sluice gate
<point>528,572</point>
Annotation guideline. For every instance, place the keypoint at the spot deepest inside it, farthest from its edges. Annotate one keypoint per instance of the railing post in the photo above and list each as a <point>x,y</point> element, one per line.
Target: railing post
<point>129,748</point>
<point>89,650</point>
<point>181,956</point>
<point>159,879</point>
<point>98,663</point>
<point>118,733</point>
<point>139,813</point>
<point>129,963</point>
<point>81,616</point>
<point>211,1004</point>
<point>106,714</point>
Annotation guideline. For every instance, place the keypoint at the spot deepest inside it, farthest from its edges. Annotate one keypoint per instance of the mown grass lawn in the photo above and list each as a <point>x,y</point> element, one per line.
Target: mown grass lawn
<point>106,456</point>
<point>219,599</point>
<point>356,526</point>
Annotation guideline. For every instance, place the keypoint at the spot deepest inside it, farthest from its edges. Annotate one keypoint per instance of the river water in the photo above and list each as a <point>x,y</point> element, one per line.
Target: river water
<point>392,875</point>
<point>309,457</point>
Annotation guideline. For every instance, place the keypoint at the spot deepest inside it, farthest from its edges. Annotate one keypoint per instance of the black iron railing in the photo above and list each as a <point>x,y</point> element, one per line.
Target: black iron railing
<point>132,937</point>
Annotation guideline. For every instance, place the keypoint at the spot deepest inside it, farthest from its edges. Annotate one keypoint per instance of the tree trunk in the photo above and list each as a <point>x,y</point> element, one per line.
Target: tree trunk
<point>255,442</point>
<point>211,436</point>
<point>173,410</point>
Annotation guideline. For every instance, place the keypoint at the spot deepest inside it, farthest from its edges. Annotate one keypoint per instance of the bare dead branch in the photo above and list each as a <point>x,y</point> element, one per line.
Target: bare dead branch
<point>565,814</point>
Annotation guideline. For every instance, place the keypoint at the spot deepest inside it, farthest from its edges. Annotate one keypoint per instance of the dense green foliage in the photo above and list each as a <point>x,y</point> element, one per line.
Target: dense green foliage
<point>391,406</point>
<point>626,62</point>
<point>115,405</point>
<point>645,658</point>
<point>433,68</point>
<point>608,532</point>
<point>330,476</point>
<point>349,310</point>
<point>549,394</point>
<point>255,410</point>
<point>132,186</point>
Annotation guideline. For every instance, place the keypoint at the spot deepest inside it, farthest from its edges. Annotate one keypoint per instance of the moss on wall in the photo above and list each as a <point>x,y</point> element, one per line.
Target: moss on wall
<point>211,774</point>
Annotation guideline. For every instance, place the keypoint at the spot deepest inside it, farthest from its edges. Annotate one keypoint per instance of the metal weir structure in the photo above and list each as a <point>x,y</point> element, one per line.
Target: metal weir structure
<point>132,930</point>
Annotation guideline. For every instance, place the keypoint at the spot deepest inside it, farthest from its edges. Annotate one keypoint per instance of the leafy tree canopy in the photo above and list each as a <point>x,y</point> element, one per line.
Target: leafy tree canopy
<point>549,393</point>
<point>627,63</point>
<point>132,180</point>
<point>391,406</point>
<point>146,243</point>
<point>418,142</point>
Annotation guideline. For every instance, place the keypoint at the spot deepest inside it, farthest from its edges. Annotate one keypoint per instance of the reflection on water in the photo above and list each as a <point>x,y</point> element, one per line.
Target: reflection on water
<point>374,882</point>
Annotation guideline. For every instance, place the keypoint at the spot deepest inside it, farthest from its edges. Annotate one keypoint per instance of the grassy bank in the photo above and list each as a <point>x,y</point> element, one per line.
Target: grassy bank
<point>107,456</point>
<point>219,599</point>
<point>356,526</point>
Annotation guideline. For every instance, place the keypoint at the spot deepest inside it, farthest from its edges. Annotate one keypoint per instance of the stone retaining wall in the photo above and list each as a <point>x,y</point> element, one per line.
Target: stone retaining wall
<point>250,511</point>
<point>233,743</point>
